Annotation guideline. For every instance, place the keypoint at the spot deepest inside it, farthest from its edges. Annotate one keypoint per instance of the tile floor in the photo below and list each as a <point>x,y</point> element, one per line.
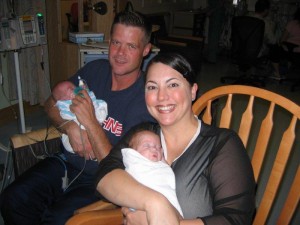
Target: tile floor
<point>208,78</point>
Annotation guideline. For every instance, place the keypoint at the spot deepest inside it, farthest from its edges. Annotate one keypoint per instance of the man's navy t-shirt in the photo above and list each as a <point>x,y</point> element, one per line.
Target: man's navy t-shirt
<point>126,108</point>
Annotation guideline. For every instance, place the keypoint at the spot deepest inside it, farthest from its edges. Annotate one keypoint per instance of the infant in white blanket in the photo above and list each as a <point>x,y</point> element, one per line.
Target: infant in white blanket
<point>63,93</point>
<point>144,161</point>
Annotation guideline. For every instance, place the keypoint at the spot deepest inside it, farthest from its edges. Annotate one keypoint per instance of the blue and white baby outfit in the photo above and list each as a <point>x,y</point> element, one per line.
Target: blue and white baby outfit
<point>64,110</point>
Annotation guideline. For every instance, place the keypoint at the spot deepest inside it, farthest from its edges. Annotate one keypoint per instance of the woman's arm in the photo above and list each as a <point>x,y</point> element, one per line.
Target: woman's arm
<point>120,188</point>
<point>139,218</point>
<point>232,183</point>
<point>116,185</point>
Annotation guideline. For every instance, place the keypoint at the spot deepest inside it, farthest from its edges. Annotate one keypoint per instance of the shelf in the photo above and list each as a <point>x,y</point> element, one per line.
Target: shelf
<point>189,22</point>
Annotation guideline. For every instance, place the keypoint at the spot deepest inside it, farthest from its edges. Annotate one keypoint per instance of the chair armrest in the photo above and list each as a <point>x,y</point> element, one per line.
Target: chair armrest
<point>29,148</point>
<point>100,205</point>
<point>21,140</point>
<point>98,217</point>
<point>169,42</point>
<point>187,37</point>
<point>181,40</point>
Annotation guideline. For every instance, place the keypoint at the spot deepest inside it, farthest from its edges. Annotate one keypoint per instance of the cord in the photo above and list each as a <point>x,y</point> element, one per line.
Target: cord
<point>65,179</point>
<point>43,156</point>
<point>42,63</point>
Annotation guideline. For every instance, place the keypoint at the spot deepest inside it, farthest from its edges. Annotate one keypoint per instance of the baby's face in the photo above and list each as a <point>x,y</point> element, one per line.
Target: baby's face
<point>70,93</point>
<point>64,91</point>
<point>148,144</point>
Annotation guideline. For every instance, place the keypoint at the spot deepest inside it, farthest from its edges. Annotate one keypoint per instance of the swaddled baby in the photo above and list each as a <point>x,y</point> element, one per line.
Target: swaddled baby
<point>144,161</point>
<point>63,93</point>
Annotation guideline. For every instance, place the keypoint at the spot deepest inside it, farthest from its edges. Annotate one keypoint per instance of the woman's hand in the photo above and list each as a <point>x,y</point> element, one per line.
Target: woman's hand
<point>134,217</point>
<point>162,213</point>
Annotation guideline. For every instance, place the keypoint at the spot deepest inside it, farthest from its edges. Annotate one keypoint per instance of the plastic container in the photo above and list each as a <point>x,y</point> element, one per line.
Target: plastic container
<point>85,37</point>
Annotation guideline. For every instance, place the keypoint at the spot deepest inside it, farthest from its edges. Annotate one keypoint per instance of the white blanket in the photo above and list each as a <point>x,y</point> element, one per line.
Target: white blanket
<point>64,110</point>
<point>158,176</point>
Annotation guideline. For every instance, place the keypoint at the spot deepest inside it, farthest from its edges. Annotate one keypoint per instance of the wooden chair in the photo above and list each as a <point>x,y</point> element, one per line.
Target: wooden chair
<point>256,113</point>
<point>29,148</point>
<point>262,142</point>
<point>102,213</point>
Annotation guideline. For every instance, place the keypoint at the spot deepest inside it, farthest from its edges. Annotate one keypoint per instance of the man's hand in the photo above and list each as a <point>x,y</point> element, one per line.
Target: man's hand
<point>82,106</point>
<point>79,141</point>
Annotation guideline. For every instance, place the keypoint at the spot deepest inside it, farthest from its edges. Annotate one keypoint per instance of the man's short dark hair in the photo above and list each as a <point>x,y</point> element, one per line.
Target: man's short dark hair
<point>135,19</point>
<point>262,5</point>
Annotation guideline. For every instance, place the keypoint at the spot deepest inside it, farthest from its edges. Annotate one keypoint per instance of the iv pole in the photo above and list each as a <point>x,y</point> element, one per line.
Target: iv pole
<point>19,89</point>
<point>20,97</point>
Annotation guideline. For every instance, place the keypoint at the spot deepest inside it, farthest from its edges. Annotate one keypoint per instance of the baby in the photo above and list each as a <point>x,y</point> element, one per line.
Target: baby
<point>145,162</point>
<point>63,93</point>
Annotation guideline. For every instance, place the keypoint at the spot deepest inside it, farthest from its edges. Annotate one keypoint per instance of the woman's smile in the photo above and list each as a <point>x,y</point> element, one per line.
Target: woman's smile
<point>166,109</point>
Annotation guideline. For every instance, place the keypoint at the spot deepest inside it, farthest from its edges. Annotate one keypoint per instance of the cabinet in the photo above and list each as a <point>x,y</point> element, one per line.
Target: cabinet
<point>189,22</point>
<point>88,54</point>
<point>64,55</point>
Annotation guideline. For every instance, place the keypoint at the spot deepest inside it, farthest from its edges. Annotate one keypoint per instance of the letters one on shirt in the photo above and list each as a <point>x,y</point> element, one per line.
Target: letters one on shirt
<point>113,126</point>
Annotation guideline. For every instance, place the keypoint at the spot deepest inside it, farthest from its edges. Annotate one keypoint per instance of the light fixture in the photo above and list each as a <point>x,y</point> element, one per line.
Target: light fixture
<point>129,7</point>
<point>99,7</point>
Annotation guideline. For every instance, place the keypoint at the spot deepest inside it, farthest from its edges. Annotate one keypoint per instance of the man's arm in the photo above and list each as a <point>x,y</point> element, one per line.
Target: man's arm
<point>53,114</point>
<point>78,138</point>
<point>89,143</point>
<point>84,110</point>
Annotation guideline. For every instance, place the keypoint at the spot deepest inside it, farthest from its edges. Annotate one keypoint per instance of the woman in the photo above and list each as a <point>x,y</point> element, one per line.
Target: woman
<point>214,178</point>
<point>290,44</point>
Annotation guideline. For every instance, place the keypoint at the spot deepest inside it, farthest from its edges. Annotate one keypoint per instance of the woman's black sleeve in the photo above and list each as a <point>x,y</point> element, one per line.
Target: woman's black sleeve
<point>232,184</point>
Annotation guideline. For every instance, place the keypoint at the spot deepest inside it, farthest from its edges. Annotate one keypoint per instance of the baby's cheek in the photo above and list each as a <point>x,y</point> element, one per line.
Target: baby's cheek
<point>70,93</point>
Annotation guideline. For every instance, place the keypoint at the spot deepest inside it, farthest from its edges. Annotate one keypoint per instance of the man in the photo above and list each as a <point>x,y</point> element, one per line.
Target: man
<point>262,8</point>
<point>216,14</point>
<point>50,191</point>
